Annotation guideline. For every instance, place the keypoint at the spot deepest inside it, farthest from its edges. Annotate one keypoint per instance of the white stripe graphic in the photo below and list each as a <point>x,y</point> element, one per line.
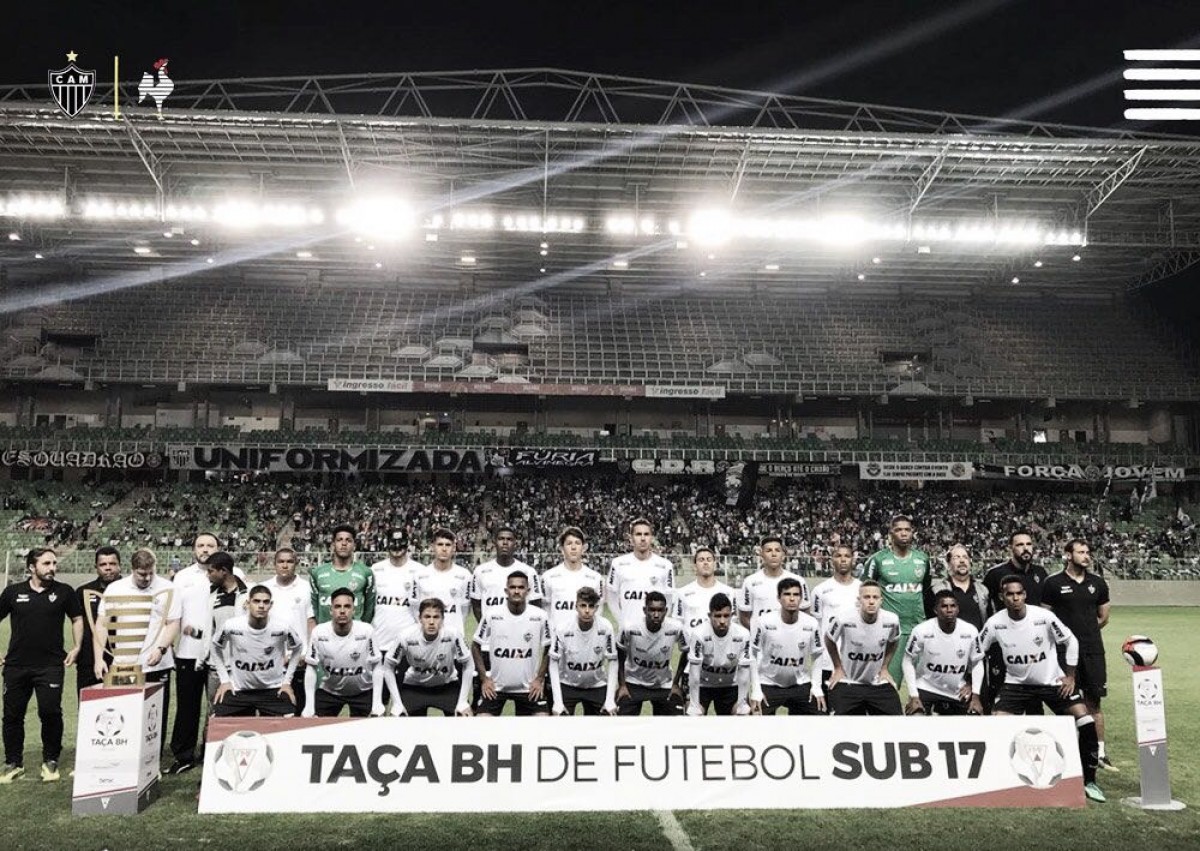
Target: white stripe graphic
<point>1162,114</point>
<point>674,831</point>
<point>1162,94</point>
<point>1167,55</point>
<point>1162,74</point>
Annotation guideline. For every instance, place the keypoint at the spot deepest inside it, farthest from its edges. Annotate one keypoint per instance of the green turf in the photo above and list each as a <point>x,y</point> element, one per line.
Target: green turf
<point>36,815</point>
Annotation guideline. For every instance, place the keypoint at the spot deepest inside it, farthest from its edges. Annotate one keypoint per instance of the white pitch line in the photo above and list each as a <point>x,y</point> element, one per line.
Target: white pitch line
<point>674,831</point>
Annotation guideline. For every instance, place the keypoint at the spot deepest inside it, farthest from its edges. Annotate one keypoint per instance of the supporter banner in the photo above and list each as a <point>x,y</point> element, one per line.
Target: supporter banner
<point>674,466</point>
<point>369,385</point>
<point>311,459</point>
<point>1083,472</point>
<point>513,764</point>
<point>683,391</point>
<point>86,460</point>
<point>543,457</point>
<point>921,470</point>
<point>799,470</point>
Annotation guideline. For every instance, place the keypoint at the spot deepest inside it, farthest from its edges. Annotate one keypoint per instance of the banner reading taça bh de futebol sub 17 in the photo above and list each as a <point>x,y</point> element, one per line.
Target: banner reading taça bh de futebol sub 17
<point>579,764</point>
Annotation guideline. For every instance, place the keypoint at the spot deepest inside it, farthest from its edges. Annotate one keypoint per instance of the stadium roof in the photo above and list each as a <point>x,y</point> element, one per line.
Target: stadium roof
<point>792,193</point>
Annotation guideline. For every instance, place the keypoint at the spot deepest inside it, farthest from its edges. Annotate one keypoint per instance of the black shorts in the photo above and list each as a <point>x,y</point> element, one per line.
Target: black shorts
<point>522,704</point>
<point>854,699</point>
<point>591,698</point>
<point>658,698</point>
<point>329,705</point>
<point>796,699</point>
<point>1017,699</point>
<point>250,702</point>
<point>937,704</point>
<point>1091,676</point>
<point>418,700</point>
<point>723,698</point>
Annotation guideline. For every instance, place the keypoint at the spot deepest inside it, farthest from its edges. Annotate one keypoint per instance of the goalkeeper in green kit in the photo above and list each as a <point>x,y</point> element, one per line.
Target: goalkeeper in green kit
<point>342,572</point>
<point>904,574</point>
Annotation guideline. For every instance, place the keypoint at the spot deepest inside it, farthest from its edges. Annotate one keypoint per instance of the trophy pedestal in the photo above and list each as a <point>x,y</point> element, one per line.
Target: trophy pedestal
<point>117,749</point>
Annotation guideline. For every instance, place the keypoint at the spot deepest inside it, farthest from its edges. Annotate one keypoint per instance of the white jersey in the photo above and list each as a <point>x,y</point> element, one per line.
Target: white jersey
<point>720,656</point>
<point>863,645</point>
<point>451,586</point>
<point>394,612</point>
<point>192,588</point>
<point>583,655</point>
<point>431,662</point>
<point>691,604</point>
<point>784,652</point>
<point>942,661</point>
<point>630,578</point>
<point>760,594</point>
<point>514,644</point>
<point>292,601</point>
<point>153,602</point>
<point>560,584</point>
<point>490,579</point>
<point>828,599</point>
<point>256,658</point>
<point>648,654</point>
<point>1030,646</point>
<point>347,660</point>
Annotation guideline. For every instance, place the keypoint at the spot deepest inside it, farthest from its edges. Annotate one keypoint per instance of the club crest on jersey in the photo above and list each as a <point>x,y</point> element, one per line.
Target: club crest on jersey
<point>1091,590</point>
<point>52,597</point>
<point>653,580</point>
<point>355,655</point>
<point>730,656</point>
<point>1039,641</point>
<point>961,653</point>
<point>528,636</point>
<point>268,651</point>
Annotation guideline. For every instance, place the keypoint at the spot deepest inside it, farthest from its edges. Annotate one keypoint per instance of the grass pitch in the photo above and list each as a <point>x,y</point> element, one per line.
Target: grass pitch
<point>36,815</point>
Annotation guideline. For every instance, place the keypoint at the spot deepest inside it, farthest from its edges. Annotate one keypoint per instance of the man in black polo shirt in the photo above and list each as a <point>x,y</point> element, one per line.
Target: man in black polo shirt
<point>1033,576</point>
<point>1080,599</point>
<point>108,571</point>
<point>36,662</point>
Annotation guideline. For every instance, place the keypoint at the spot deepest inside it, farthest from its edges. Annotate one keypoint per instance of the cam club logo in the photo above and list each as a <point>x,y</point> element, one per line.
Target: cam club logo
<point>244,762</point>
<point>71,87</point>
<point>1037,758</point>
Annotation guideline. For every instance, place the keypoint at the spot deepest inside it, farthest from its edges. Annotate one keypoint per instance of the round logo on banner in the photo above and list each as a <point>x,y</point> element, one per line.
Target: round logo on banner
<point>109,722</point>
<point>244,762</point>
<point>1037,758</point>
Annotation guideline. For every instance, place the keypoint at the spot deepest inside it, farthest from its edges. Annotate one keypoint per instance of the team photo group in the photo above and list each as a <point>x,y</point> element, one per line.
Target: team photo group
<point>402,638</point>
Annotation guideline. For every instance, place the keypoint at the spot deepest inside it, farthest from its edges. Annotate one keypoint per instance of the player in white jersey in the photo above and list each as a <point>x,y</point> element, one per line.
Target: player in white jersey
<point>861,643</point>
<point>292,600</point>
<point>785,646</point>
<point>561,583</point>
<point>255,659</point>
<point>489,581</point>
<point>394,577</point>
<point>583,659</point>
<point>444,580</point>
<point>510,653</point>
<point>434,666</point>
<point>345,651</point>
<point>838,593</point>
<point>943,667</point>
<point>691,601</point>
<point>760,590</point>
<point>719,663</point>
<point>1028,637</point>
<point>634,574</point>
<point>644,650</point>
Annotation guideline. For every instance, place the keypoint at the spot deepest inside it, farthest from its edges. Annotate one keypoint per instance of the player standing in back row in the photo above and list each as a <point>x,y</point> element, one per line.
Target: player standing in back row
<point>903,572</point>
<point>760,590</point>
<point>634,574</point>
<point>342,571</point>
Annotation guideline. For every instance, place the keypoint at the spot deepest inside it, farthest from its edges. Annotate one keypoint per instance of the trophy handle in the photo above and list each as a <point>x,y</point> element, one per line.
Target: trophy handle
<point>88,596</point>
<point>169,593</point>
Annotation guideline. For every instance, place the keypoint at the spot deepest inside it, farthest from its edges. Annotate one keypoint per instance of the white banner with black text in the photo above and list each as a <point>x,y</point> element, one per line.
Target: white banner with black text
<point>582,764</point>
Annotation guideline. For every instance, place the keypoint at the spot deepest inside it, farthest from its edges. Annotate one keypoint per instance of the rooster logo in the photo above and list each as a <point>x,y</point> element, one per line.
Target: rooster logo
<point>159,89</point>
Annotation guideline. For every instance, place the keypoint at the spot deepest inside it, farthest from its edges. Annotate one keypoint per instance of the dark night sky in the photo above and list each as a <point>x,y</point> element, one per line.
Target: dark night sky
<point>1052,60</point>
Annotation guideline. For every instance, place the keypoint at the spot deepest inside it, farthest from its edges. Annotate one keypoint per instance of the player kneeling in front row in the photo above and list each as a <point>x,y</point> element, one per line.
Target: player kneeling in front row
<point>583,659</point>
<point>255,658</point>
<point>1027,638</point>
<point>861,644</point>
<point>719,663</point>
<point>785,646</point>
<point>943,667</point>
<point>345,650</point>
<point>433,665</point>
<point>644,649</point>
<point>510,652</point>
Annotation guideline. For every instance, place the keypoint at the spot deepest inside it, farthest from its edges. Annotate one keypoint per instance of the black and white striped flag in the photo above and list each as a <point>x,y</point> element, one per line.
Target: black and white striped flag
<point>1172,79</point>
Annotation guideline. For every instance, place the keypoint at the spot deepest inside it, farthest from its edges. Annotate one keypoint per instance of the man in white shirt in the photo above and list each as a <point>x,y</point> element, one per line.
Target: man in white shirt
<point>784,647</point>
<point>691,601</point>
<point>861,644</point>
<point>583,659</point>
<point>644,651</point>
<point>489,581</point>
<point>345,651</point>
<point>255,659</point>
<point>444,580</point>
<point>433,665</point>
<point>760,590</point>
<point>510,654</point>
<point>942,663</point>
<point>719,663</point>
<point>394,578</point>
<point>292,601</point>
<point>838,593</point>
<point>633,575</point>
<point>561,583</point>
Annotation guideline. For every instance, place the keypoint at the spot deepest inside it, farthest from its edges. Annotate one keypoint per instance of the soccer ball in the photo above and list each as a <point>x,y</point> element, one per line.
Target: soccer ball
<point>1139,651</point>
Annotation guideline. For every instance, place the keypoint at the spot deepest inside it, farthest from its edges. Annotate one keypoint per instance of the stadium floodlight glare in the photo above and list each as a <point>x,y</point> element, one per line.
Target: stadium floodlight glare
<point>1016,280</point>
<point>1037,264</point>
<point>248,215</point>
<point>141,249</point>
<point>431,237</point>
<point>26,206</point>
<point>304,255</point>
<point>38,256</point>
<point>710,227</point>
<point>195,242</point>
<point>772,267</point>
<point>620,264</point>
<point>1076,258</point>
<point>467,259</point>
<point>861,276</point>
<point>14,236</point>
<point>379,218</point>
<point>876,260</point>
